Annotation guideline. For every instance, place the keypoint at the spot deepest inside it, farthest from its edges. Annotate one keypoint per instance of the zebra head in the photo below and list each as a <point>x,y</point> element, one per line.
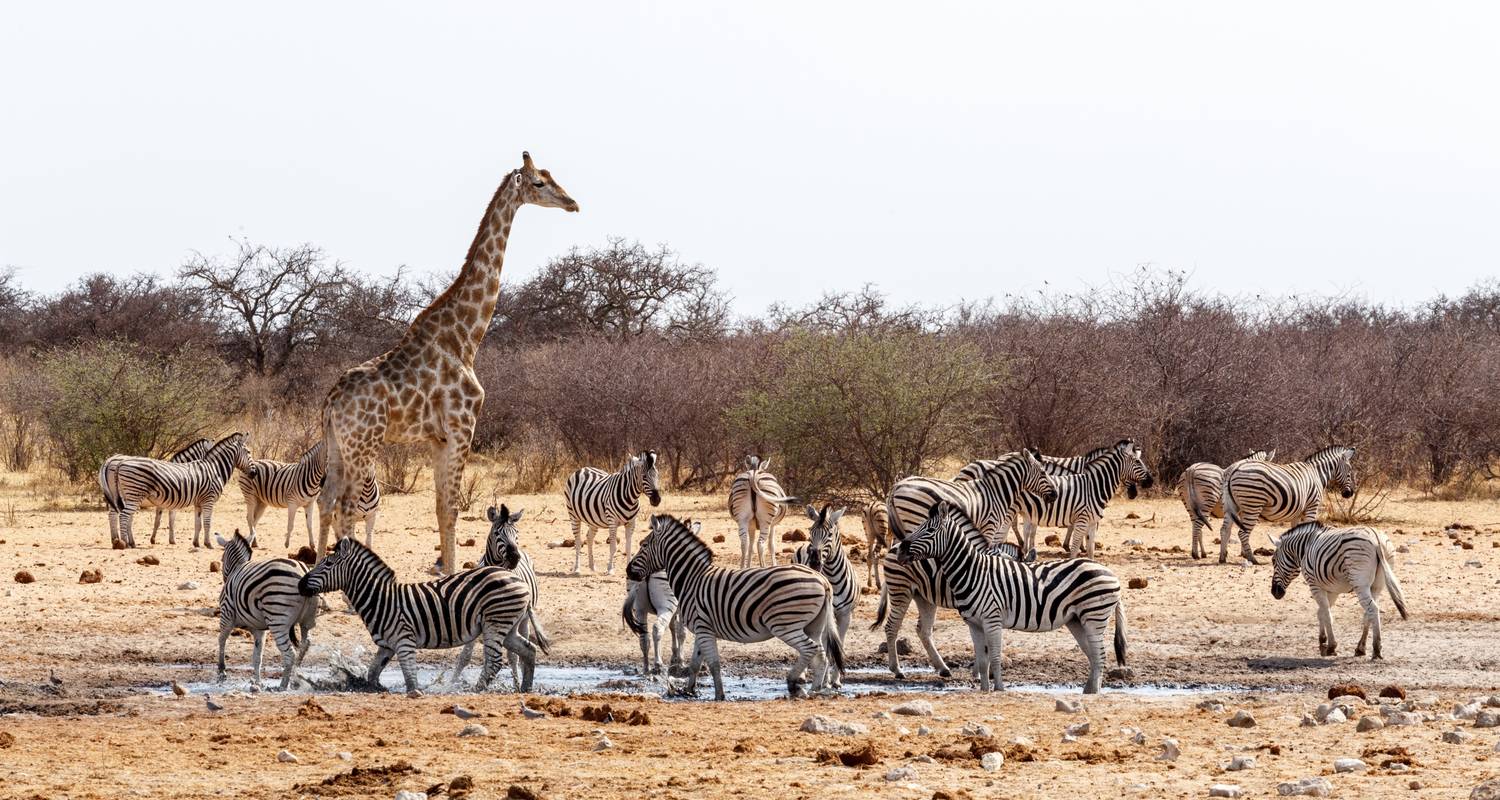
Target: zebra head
<point>1343,473</point>
<point>236,552</point>
<point>503,549</point>
<point>1137,475</point>
<point>1288,558</point>
<point>929,538</point>
<point>1034,478</point>
<point>667,533</point>
<point>338,570</point>
<point>823,536</point>
<point>646,477</point>
<point>753,463</point>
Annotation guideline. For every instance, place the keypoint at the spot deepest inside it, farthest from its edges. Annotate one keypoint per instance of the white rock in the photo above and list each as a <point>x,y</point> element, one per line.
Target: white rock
<point>1213,706</point>
<point>1335,717</point>
<point>977,729</point>
<point>1068,737</point>
<point>992,761</point>
<point>474,729</point>
<point>1466,710</point>
<point>187,586</point>
<point>1487,719</point>
<point>923,730</point>
<point>1493,701</point>
<point>1225,790</point>
<point>406,794</point>
<point>345,755</point>
<point>1024,741</point>
<point>1169,750</point>
<point>1078,729</point>
<point>1241,719</point>
<point>1240,762</point>
<point>914,708</point>
<point>286,757</point>
<point>900,774</point>
<point>818,723</point>
<point>1307,787</point>
<point>1456,737</point>
<point>603,744</point>
<point>1369,722</point>
<point>1474,563</point>
<point>903,731</point>
<point>1308,721</point>
<point>882,715</point>
<point>925,759</point>
<point>1067,706</point>
<point>1404,718</point>
<point>1349,765</point>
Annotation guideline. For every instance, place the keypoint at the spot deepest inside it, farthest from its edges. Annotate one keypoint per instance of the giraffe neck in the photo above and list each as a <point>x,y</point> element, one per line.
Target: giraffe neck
<point>457,320</point>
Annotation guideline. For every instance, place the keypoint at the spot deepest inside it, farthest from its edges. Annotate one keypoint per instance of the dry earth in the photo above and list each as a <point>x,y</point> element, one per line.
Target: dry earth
<point>105,727</point>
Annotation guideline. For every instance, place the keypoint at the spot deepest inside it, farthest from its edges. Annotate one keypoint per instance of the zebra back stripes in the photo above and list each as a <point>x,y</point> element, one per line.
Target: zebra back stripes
<point>295,486</point>
<point>757,503</point>
<point>1200,490</point>
<point>598,499</point>
<point>1083,495</point>
<point>1335,561</point>
<point>130,483</point>
<point>262,596</point>
<point>487,603</point>
<point>994,593</point>
<point>989,492</point>
<point>192,451</point>
<point>789,602</point>
<point>1284,493</point>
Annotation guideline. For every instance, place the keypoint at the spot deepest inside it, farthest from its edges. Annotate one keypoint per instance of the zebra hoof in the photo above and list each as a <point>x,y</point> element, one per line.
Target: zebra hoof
<point>945,673</point>
<point>413,694</point>
<point>1359,651</point>
<point>898,674</point>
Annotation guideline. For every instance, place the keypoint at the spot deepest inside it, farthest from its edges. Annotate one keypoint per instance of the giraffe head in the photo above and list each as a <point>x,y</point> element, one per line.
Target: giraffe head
<point>536,186</point>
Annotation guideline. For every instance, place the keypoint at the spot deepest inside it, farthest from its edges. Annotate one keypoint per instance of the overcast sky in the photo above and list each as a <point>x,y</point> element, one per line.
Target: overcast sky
<point>941,151</point>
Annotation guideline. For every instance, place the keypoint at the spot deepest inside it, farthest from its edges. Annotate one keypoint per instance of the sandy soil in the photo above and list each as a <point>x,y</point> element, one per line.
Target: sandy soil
<point>105,728</point>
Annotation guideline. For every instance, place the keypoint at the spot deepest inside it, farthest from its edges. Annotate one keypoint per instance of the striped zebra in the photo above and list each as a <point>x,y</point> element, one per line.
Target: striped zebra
<point>293,486</point>
<point>789,602</point>
<point>262,596</point>
<point>1082,496</point>
<point>1282,493</point>
<point>1064,465</point>
<point>654,597</point>
<point>503,549</point>
<point>1337,561</point>
<point>598,499</point>
<point>993,593</point>
<point>1199,489</point>
<point>134,482</point>
<point>988,491</point>
<point>877,523</point>
<point>922,582</point>
<point>487,602</point>
<point>192,452</point>
<point>757,503</point>
<point>824,553</point>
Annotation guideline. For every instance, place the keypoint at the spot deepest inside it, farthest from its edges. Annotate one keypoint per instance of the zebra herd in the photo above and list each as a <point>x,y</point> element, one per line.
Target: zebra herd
<point>948,547</point>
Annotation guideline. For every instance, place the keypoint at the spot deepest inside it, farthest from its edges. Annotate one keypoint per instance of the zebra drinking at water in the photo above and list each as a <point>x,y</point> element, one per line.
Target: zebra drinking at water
<point>487,603</point>
<point>1284,493</point>
<point>824,553</point>
<point>993,593</point>
<point>1083,495</point>
<point>757,503</point>
<point>1337,561</point>
<point>988,491</point>
<point>134,482</point>
<point>789,602</point>
<point>597,499</point>
<point>503,549</point>
<point>277,484</point>
<point>262,596</point>
<point>1200,488</point>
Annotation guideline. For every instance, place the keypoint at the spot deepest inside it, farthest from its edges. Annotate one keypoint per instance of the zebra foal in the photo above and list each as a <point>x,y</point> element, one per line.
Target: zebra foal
<point>131,483</point>
<point>824,553</point>
<point>1335,561</point>
<point>757,503</point>
<point>789,602</point>
<point>993,593</point>
<point>486,603</point>
<point>1200,488</point>
<point>598,499</point>
<point>1286,493</point>
<point>503,549</point>
<point>1083,495</point>
<point>262,596</point>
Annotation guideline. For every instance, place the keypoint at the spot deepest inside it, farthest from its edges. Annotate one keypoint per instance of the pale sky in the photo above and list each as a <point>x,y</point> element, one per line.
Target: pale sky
<point>940,150</point>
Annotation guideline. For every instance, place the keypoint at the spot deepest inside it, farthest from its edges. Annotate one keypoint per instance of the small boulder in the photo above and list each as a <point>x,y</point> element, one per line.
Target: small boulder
<point>1346,689</point>
<point>603,744</point>
<point>718,538</point>
<point>117,544</point>
<point>286,757</point>
<point>1393,691</point>
<point>1065,706</point>
<point>794,535</point>
<point>1456,737</point>
<point>1307,787</point>
<point>25,577</point>
<point>1241,719</point>
<point>900,774</point>
<point>1369,723</point>
<point>91,576</point>
<point>1225,790</point>
<point>1240,763</point>
<point>820,724</point>
<point>976,729</point>
<point>923,730</point>
<point>148,561</point>
<point>345,755</point>
<point>1335,716</point>
<point>914,708</point>
<point>1169,750</point>
<point>992,761</point>
<point>1349,765</point>
<point>213,566</point>
<point>1489,790</point>
<point>407,794</point>
<point>1402,718</point>
<point>187,586</point>
<point>473,729</point>
<point>1077,729</point>
<point>1487,719</point>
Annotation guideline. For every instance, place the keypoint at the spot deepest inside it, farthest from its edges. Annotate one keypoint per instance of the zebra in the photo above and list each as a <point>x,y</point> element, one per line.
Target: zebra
<point>262,596</point>
<point>487,602</point>
<point>133,482</point>
<point>192,452</point>
<point>1066,465</point>
<point>654,596</point>
<point>598,499</point>
<point>1199,488</point>
<point>988,491</point>
<point>993,593</point>
<point>1083,495</point>
<point>921,581</point>
<point>1285,493</point>
<point>277,484</point>
<point>789,602</point>
<point>1336,561</point>
<point>824,553</point>
<point>503,549</point>
<point>757,503</point>
<point>877,524</point>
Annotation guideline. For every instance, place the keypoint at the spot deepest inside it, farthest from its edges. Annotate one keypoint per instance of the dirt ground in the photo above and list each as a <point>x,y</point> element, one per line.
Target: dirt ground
<point>84,714</point>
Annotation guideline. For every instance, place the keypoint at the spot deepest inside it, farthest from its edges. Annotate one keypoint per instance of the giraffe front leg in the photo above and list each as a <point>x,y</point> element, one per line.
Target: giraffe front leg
<point>448,474</point>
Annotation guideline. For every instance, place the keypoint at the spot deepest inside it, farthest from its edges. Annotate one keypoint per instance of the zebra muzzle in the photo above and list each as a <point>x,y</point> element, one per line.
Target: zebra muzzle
<point>1278,591</point>
<point>655,498</point>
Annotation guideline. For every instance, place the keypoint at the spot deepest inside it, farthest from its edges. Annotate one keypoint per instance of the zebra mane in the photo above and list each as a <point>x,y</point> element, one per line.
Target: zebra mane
<point>196,443</point>
<point>977,469</point>
<point>684,527</point>
<point>1330,453</point>
<point>381,570</point>
<point>236,554</point>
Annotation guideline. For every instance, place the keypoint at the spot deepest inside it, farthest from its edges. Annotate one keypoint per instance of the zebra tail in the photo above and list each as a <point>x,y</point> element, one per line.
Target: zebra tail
<point>1231,512</point>
<point>884,609</point>
<point>831,642</point>
<point>1392,584</point>
<point>109,486</point>
<point>627,614</point>
<point>538,636</point>
<point>1194,503</point>
<point>1120,632</point>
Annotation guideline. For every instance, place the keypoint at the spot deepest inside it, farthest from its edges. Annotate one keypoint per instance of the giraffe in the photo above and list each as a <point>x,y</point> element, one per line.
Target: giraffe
<point>424,389</point>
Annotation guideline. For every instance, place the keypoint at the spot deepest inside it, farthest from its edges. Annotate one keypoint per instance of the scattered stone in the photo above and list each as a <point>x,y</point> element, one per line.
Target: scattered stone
<point>1307,787</point>
<point>91,576</point>
<point>976,729</point>
<point>718,538</point>
<point>1240,763</point>
<point>407,794</point>
<point>794,535</point>
<point>1347,689</point>
<point>1132,543</point>
<point>1211,706</point>
<point>1369,723</point>
<point>1241,719</point>
<point>895,774</point>
<point>473,729</point>
<point>519,792</point>
<point>1456,737</point>
<point>213,566</point>
<point>1077,729</point>
<point>1121,674</point>
<point>1393,691</point>
<point>1137,583</point>
<point>25,577</point>
<point>1052,540</point>
<point>7,740</point>
<point>148,561</point>
<point>881,715</point>
<point>992,761</point>
<point>286,757</point>
<point>117,544</point>
<point>820,724</point>
<point>1225,790</point>
<point>924,731</point>
<point>914,708</point>
<point>1336,716</point>
<point>952,794</point>
<point>1466,710</point>
<point>1400,718</point>
<point>603,744</point>
<point>1349,765</point>
<point>1308,721</point>
<point>187,586</point>
<point>1489,790</point>
<point>313,710</point>
<point>345,755</point>
<point>1487,719</point>
<point>865,755</point>
<point>1068,706</point>
<point>1474,564</point>
<point>1169,750</point>
<point>1493,701</point>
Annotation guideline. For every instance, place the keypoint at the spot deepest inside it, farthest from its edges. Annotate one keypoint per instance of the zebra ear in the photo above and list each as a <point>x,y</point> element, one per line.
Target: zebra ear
<point>492,513</point>
<point>505,513</point>
<point>515,516</point>
<point>696,526</point>
<point>834,516</point>
<point>766,465</point>
<point>221,540</point>
<point>1275,541</point>
<point>812,513</point>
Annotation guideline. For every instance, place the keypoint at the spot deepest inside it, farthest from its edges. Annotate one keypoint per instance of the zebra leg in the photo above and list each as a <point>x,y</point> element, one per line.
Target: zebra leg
<point>523,647</point>
<point>1246,550</point>
<point>1371,623</point>
<point>629,533</point>
<point>979,669</point>
<point>702,639</point>
<point>523,631</point>
<point>225,628</point>
<point>377,665</point>
<point>312,543</point>
<point>283,637</point>
<point>710,652</point>
<point>678,634</point>
<point>808,651</point>
<point>156,524</point>
<point>897,603</point>
<point>768,538</point>
<point>465,653</point>
<point>260,645</point>
<point>842,620</point>
<point>926,616</point>
<point>370,530</point>
<point>609,566</point>
<point>114,526</point>
<point>1090,640</point>
<point>992,641</point>
<point>127,515</point>
<point>1224,540</point>
<point>1325,625</point>
<point>406,656</point>
<point>745,545</point>
<point>207,515</point>
<point>578,547</point>
<point>1197,538</point>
